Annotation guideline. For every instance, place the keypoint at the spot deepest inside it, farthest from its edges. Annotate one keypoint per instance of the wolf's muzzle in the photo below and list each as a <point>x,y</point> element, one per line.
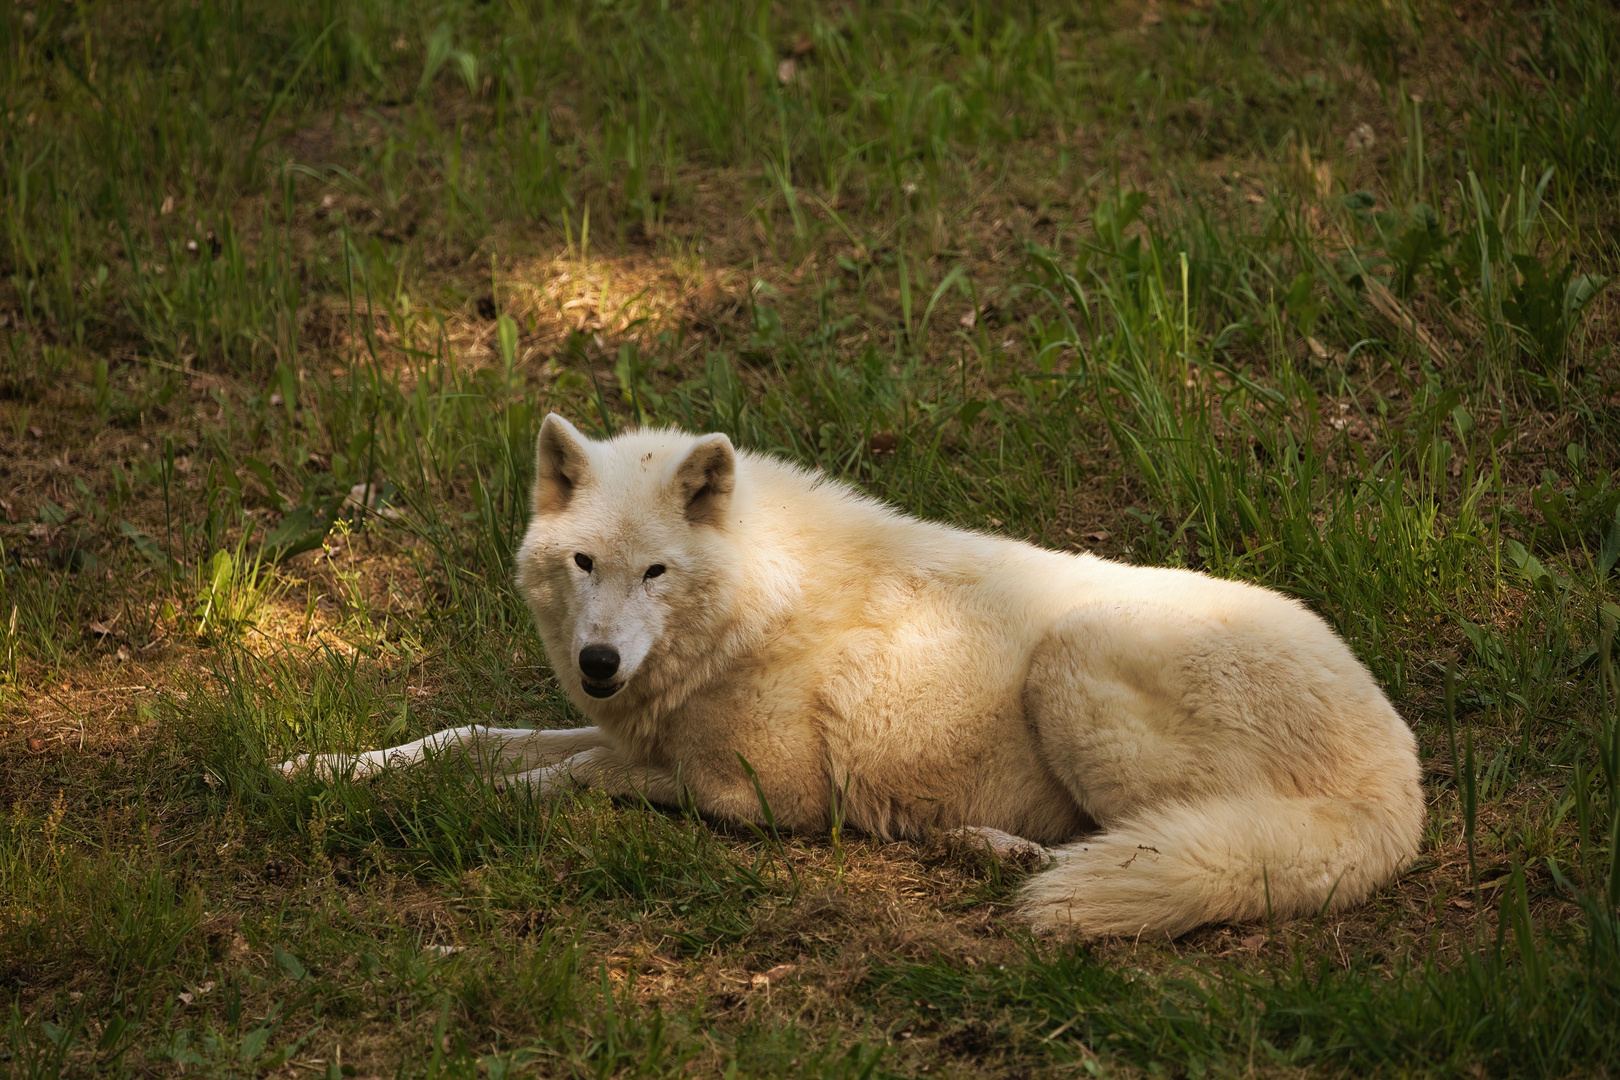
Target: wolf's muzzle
<point>599,690</point>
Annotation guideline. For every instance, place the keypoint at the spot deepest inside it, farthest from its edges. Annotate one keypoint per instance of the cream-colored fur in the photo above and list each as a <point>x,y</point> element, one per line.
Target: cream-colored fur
<point>1192,749</point>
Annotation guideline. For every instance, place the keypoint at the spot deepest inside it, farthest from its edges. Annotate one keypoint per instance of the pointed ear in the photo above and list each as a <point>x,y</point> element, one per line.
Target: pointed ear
<point>561,465</point>
<point>705,480</point>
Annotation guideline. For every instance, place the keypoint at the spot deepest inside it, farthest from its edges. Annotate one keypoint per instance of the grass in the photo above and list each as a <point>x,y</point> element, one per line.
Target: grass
<point>1314,295</point>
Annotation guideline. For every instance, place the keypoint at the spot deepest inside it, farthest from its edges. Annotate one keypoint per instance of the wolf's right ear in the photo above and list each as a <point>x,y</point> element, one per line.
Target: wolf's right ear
<point>561,465</point>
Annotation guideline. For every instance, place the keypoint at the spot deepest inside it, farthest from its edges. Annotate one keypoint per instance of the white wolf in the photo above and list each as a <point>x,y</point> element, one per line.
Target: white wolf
<point>1194,750</point>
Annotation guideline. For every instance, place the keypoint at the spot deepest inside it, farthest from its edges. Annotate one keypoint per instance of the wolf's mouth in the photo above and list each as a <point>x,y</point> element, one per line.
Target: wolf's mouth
<point>600,689</point>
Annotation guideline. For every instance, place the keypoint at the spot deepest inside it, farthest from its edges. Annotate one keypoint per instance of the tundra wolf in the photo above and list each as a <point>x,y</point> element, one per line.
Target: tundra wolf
<point>1183,749</point>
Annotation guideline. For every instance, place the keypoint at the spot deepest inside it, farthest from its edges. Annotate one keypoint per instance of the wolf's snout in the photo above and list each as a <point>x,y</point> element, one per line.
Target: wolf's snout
<point>599,662</point>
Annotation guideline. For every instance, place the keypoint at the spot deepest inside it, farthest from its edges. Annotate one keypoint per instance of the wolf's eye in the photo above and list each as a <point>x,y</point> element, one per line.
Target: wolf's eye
<point>655,569</point>
<point>583,562</point>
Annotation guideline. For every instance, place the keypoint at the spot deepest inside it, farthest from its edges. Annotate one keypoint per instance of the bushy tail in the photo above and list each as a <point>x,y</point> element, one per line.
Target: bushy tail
<point>1170,869</point>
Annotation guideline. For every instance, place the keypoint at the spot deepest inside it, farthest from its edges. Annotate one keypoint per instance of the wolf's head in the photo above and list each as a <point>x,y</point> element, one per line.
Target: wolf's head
<point>628,560</point>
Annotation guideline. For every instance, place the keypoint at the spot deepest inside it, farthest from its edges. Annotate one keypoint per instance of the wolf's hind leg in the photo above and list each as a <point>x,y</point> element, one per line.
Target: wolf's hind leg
<point>1237,768</point>
<point>493,750</point>
<point>1003,845</point>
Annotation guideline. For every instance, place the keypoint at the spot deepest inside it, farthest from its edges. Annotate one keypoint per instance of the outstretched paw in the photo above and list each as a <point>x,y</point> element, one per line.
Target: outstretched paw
<point>328,766</point>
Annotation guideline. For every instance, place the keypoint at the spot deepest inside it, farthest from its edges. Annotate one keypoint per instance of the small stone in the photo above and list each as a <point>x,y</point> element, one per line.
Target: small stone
<point>774,975</point>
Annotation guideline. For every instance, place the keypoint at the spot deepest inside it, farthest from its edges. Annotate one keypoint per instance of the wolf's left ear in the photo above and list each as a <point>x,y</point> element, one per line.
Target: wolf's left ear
<point>705,480</point>
<point>560,465</point>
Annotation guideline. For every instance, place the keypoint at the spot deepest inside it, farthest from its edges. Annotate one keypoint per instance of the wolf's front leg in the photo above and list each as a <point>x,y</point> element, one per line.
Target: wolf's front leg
<point>606,769</point>
<point>493,750</point>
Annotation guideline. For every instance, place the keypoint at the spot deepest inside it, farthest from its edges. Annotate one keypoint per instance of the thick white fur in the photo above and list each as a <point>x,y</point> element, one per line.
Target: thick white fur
<point>1197,750</point>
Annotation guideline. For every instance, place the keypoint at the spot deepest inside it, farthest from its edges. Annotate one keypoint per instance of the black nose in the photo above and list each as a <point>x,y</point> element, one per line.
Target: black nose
<point>599,662</point>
